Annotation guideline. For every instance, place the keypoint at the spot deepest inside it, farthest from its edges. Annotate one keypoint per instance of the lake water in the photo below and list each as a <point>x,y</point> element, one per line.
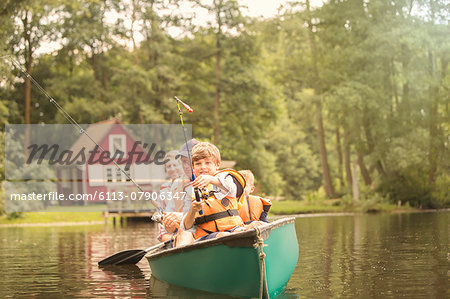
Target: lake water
<point>356,256</point>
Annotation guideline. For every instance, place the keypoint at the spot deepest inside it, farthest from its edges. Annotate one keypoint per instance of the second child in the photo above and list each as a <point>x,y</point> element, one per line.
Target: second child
<point>254,208</point>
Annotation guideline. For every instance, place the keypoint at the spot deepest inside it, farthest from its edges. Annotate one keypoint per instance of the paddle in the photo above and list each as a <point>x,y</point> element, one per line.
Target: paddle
<point>127,257</point>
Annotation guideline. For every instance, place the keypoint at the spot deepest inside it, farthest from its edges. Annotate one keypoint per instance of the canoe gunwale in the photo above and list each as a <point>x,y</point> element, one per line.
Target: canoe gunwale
<point>238,239</point>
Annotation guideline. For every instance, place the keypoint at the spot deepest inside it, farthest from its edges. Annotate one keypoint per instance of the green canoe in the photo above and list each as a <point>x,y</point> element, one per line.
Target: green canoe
<point>231,265</point>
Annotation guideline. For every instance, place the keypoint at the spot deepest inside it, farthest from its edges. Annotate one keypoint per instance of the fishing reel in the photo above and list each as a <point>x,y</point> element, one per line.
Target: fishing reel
<point>157,217</point>
<point>201,194</point>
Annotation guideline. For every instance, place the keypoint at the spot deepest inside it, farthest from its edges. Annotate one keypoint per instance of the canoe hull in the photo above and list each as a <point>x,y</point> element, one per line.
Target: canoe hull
<point>231,265</point>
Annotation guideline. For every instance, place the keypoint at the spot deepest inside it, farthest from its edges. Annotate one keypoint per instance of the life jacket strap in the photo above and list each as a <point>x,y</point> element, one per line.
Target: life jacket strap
<point>216,216</point>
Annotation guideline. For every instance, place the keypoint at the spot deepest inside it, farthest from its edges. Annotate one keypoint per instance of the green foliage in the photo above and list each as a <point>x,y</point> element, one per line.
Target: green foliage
<point>409,185</point>
<point>289,207</point>
<point>316,197</point>
<point>18,174</point>
<point>14,215</point>
<point>441,191</point>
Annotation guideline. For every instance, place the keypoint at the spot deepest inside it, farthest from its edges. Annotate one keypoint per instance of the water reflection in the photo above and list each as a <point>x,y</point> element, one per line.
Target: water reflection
<point>125,280</point>
<point>402,255</point>
<point>161,289</point>
<point>373,256</point>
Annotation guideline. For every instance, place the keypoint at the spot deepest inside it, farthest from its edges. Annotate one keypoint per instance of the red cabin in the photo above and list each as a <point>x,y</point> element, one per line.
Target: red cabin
<point>95,177</point>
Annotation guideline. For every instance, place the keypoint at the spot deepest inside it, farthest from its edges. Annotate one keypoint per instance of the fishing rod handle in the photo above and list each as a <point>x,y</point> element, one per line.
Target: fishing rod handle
<point>198,198</point>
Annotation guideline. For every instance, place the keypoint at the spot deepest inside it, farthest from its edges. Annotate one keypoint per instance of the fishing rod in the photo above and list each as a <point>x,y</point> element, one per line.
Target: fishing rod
<point>188,108</point>
<point>198,194</point>
<point>74,122</point>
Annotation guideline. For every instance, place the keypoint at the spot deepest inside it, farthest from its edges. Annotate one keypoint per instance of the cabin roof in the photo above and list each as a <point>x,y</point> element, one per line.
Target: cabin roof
<point>97,132</point>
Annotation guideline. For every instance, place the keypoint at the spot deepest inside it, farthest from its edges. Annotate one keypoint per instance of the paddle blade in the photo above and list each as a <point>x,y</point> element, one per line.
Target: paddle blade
<point>124,257</point>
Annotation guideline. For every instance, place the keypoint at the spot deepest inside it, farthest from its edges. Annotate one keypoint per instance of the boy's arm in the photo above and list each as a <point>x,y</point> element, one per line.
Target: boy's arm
<point>204,180</point>
<point>223,181</point>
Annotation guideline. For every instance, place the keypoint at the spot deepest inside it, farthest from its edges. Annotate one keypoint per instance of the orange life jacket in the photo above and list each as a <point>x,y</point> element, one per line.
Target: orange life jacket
<point>240,183</point>
<point>220,215</point>
<point>254,208</point>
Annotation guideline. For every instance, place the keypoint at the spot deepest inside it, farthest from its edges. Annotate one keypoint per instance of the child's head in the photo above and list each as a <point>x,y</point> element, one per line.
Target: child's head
<point>205,159</point>
<point>250,180</point>
<point>173,166</point>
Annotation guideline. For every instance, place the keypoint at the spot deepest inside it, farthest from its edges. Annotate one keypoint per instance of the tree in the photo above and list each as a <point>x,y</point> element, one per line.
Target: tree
<point>227,18</point>
<point>33,26</point>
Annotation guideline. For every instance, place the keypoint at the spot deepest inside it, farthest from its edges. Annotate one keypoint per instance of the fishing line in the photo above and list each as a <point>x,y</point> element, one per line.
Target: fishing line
<point>73,122</point>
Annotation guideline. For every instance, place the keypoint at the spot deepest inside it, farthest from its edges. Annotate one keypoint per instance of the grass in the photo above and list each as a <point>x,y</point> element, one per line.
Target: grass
<point>49,217</point>
<point>57,214</point>
<point>289,207</point>
<point>282,207</point>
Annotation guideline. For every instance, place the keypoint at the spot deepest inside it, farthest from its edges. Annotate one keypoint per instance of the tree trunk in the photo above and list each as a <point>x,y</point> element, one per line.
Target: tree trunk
<point>405,110</point>
<point>360,157</point>
<point>362,167</point>
<point>105,83</point>
<point>326,176</point>
<point>339,153</point>
<point>371,144</point>
<point>93,60</point>
<point>433,150</point>
<point>348,169</point>
<point>355,187</point>
<point>27,91</point>
<point>327,184</point>
<point>218,76</point>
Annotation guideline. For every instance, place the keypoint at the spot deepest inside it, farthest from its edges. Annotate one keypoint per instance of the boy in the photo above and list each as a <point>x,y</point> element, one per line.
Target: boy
<point>219,211</point>
<point>253,208</point>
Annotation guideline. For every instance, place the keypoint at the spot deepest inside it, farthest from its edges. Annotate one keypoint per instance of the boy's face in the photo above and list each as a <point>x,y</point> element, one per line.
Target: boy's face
<point>206,166</point>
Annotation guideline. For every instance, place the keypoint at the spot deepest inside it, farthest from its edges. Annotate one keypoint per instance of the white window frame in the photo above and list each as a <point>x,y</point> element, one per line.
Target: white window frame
<point>123,148</point>
<point>118,174</point>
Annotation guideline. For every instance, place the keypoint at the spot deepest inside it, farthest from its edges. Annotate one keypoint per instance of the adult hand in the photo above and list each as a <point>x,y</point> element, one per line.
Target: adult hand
<point>254,224</point>
<point>171,221</point>
<point>240,229</point>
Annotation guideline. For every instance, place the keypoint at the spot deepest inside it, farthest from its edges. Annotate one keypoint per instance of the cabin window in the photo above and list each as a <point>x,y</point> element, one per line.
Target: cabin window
<point>117,143</point>
<point>96,176</point>
<point>109,177</point>
<point>118,174</point>
<point>128,172</point>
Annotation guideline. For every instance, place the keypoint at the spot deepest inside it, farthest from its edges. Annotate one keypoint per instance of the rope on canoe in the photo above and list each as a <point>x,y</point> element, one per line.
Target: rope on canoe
<point>259,244</point>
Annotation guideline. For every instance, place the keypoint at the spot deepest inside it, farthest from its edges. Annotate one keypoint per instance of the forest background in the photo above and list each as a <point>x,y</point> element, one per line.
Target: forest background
<point>315,101</point>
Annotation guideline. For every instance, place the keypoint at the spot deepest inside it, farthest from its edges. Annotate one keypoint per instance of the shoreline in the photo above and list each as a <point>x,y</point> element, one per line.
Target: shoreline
<point>335,214</point>
<point>48,224</point>
<point>275,216</point>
